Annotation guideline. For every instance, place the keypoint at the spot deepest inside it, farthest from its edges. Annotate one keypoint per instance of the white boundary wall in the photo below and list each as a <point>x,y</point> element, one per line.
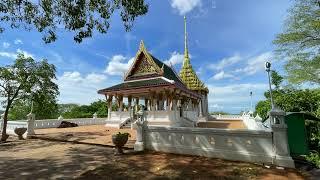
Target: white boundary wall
<point>243,145</point>
<point>53,123</point>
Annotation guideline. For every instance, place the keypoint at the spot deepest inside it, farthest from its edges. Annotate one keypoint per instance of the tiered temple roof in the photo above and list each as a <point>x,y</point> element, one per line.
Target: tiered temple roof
<point>187,74</point>
<point>146,74</point>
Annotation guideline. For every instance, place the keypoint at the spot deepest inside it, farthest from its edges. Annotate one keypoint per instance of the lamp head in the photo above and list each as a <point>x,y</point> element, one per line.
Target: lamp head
<point>267,66</point>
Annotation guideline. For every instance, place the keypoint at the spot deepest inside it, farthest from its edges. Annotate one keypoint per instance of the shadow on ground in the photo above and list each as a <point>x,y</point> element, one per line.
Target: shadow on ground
<point>36,159</point>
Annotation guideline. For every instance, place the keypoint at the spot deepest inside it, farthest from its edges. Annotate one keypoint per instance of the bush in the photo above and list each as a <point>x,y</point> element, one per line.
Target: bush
<point>314,158</point>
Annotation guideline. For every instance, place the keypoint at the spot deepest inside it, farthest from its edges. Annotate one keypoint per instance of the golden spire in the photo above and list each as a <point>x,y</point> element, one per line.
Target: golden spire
<point>187,74</point>
<point>186,51</point>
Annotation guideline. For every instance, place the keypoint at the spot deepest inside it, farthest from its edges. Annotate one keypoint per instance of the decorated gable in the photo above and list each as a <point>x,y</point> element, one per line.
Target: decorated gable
<point>143,66</point>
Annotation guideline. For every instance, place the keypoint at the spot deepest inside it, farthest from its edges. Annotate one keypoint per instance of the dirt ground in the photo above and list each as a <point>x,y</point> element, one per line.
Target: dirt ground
<point>41,159</point>
<point>94,134</point>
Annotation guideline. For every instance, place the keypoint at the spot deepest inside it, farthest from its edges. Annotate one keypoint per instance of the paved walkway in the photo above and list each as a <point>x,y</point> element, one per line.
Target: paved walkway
<point>94,134</point>
<point>39,159</point>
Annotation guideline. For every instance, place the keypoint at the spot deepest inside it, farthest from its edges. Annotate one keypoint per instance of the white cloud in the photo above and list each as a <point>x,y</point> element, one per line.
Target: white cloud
<point>176,58</point>
<point>82,89</point>
<point>8,54</point>
<point>25,53</point>
<point>13,55</point>
<point>235,95</point>
<point>5,44</point>
<point>255,64</point>
<point>222,75</point>
<point>215,107</point>
<point>225,62</point>
<point>185,6</point>
<point>18,41</point>
<point>118,65</point>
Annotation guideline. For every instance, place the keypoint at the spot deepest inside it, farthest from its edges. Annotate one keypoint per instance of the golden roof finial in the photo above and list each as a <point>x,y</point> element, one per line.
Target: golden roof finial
<point>141,47</point>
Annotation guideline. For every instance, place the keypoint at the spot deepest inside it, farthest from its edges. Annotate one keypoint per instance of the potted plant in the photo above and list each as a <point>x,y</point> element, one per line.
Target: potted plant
<point>20,132</point>
<point>119,140</point>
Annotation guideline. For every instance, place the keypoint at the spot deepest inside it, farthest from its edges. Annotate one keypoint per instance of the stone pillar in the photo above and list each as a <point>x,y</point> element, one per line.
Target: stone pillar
<point>129,106</point>
<point>168,105</point>
<point>136,105</point>
<point>120,102</point>
<point>200,108</point>
<point>146,103</point>
<point>280,139</point>
<point>109,101</point>
<point>30,124</point>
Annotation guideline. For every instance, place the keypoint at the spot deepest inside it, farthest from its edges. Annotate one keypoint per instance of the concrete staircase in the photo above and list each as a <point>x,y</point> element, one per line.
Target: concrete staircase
<point>127,124</point>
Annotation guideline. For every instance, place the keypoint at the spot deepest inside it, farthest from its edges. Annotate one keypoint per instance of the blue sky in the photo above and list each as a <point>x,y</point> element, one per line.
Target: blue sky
<point>229,41</point>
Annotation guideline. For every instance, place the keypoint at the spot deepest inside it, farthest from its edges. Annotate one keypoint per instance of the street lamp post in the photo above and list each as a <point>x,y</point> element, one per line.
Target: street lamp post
<point>267,67</point>
<point>251,108</point>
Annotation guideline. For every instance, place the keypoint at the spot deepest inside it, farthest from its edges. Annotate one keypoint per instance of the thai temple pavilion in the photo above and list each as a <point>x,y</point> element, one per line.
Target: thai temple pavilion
<point>169,99</point>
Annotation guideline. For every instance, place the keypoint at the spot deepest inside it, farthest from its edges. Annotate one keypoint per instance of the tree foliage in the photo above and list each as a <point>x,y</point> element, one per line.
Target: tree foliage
<point>82,17</point>
<point>26,79</point>
<point>290,99</point>
<point>85,111</point>
<point>299,44</point>
<point>44,108</point>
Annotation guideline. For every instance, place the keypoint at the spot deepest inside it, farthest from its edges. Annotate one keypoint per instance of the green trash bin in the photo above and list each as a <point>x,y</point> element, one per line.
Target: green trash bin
<point>297,134</point>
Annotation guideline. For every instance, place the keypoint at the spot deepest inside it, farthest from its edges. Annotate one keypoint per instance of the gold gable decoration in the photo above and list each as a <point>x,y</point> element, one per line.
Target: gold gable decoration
<point>143,64</point>
<point>143,67</point>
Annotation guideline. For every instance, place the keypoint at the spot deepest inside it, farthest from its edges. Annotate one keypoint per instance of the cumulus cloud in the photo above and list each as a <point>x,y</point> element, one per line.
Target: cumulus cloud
<point>118,65</point>
<point>222,75</point>
<point>255,64</point>
<point>13,55</point>
<point>235,95</point>
<point>18,41</point>
<point>25,53</point>
<point>176,58</point>
<point>185,6</point>
<point>226,62</point>
<point>5,44</point>
<point>75,87</point>
<point>8,54</point>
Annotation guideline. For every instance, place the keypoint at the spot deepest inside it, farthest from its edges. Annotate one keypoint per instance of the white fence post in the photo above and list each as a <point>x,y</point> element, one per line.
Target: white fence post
<point>2,121</point>
<point>94,118</point>
<point>280,138</point>
<point>30,124</point>
<point>60,118</point>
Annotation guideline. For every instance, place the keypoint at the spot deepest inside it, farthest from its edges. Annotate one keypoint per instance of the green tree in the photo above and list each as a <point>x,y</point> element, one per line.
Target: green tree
<point>25,79</point>
<point>299,44</point>
<point>86,111</point>
<point>82,17</point>
<point>45,107</point>
<point>276,79</point>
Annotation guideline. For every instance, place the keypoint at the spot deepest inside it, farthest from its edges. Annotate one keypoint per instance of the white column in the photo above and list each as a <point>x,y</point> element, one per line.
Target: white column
<point>200,108</point>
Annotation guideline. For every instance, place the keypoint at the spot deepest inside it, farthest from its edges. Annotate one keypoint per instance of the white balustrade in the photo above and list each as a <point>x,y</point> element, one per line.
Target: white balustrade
<point>227,117</point>
<point>11,125</point>
<point>245,145</point>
